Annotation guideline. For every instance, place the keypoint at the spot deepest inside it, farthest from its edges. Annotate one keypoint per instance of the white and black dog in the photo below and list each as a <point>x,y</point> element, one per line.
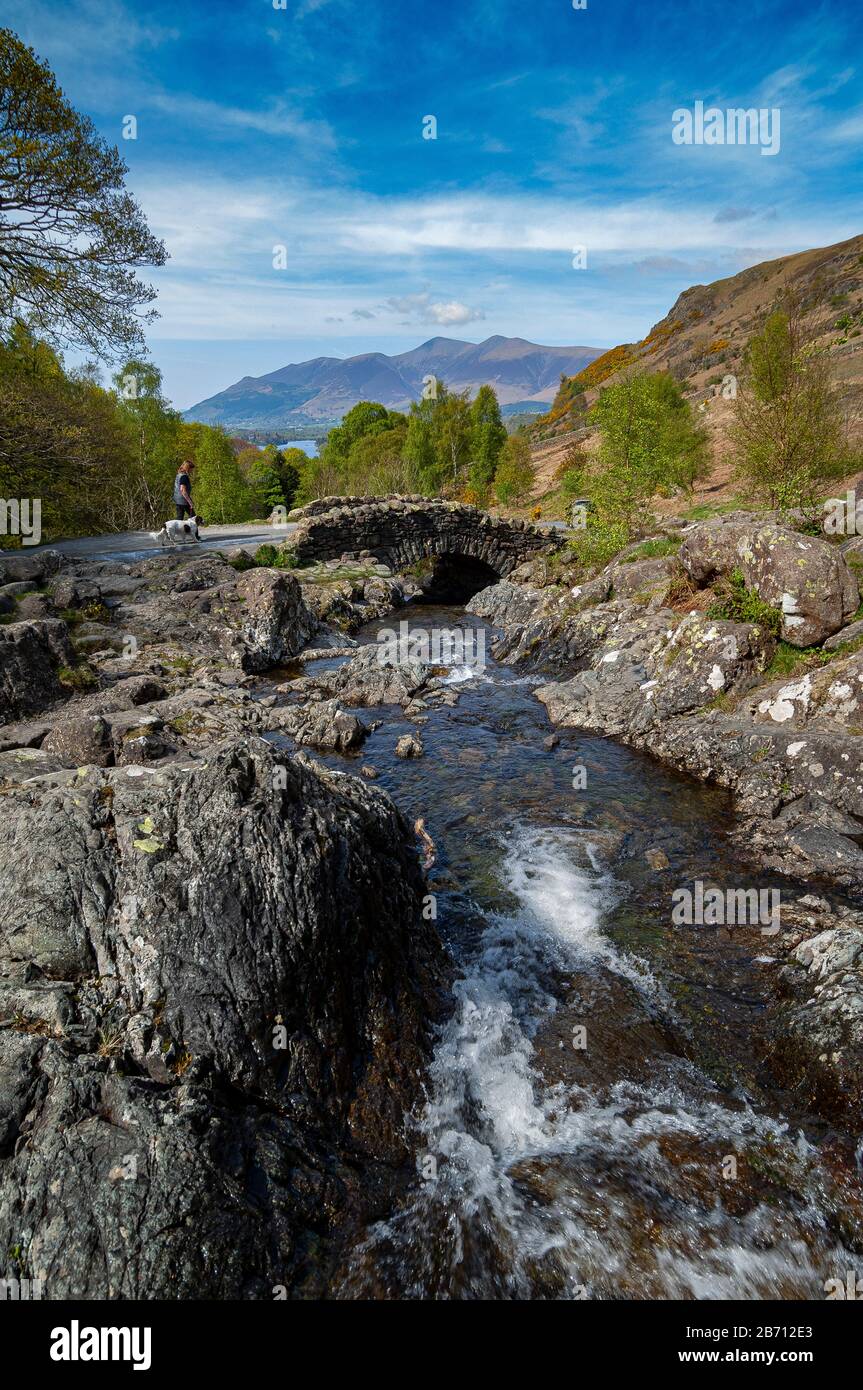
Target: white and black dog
<point>178,532</point>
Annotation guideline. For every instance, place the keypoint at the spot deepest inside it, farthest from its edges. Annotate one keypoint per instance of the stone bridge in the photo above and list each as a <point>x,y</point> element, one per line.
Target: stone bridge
<point>401,531</point>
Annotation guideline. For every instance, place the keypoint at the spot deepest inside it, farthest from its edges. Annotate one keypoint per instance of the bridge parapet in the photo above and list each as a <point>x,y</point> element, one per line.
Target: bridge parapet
<point>403,530</point>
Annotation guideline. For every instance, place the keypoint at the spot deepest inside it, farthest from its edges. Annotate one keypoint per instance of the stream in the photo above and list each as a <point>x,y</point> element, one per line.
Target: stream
<point>598,1120</point>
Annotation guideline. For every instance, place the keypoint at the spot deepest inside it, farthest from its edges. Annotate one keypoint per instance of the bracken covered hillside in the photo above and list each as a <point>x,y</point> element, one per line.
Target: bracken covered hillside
<point>703,337</point>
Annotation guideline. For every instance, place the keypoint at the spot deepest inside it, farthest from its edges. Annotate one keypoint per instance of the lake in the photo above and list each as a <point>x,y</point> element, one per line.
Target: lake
<point>309,446</point>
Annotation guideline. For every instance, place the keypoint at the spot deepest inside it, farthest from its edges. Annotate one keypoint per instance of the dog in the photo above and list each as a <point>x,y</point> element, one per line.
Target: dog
<point>178,532</point>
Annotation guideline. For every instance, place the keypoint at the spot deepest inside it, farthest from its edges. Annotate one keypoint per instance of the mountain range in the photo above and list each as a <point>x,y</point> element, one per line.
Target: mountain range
<point>323,389</point>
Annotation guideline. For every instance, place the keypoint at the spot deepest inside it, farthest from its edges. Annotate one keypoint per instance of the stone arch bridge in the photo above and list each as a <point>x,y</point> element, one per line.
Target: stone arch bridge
<point>462,541</point>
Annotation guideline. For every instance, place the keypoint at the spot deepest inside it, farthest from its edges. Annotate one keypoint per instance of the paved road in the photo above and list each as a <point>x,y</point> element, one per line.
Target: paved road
<point>137,545</point>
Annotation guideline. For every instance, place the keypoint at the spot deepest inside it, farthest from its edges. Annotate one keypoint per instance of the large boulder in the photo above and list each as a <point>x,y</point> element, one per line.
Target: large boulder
<point>805,577</point>
<point>245,982</point>
<point>648,668</point>
<point>275,622</point>
<point>34,568</point>
<point>31,655</point>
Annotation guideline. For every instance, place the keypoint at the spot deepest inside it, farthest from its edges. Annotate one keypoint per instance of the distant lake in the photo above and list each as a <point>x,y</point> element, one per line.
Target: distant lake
<point>309,446</point>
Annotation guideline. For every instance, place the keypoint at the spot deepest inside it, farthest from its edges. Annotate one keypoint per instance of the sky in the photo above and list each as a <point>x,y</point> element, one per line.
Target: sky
<point>281,152</point>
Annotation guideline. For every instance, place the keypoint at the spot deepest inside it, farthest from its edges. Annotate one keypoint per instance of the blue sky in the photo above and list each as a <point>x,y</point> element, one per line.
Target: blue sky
<point>263,125</point>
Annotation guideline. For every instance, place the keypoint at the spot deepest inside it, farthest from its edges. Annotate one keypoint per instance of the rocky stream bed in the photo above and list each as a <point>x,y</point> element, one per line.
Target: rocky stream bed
<point>324,976</point>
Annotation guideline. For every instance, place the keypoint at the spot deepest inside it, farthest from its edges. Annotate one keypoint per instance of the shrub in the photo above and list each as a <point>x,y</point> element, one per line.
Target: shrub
<point>734,601</point>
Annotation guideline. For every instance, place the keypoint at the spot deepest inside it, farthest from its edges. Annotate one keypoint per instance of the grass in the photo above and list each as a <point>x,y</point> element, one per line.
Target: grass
<point>732,600</point>
<point>267,556</point>
<point>76,677</point>
<point>796,661</point>
<point>654,550</point>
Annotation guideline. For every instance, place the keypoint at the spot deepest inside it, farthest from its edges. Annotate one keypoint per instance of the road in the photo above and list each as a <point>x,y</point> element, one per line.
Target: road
<point>137,545</point>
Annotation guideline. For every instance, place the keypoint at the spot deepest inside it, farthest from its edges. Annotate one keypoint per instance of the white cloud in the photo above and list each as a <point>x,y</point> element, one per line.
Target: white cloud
<point>421,309</point>
<point>278,119</point>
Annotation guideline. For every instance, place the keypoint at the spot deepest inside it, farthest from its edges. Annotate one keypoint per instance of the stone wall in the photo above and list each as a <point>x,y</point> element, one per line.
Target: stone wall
<point>400,531</point>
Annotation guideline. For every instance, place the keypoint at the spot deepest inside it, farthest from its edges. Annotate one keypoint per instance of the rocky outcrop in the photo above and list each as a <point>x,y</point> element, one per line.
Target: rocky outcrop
<point>215,985</point>
<point>31,656</point>
<point>366,679</point>
<point>816,1032</point>
<point>645,669</point>
<point>325,726</point>
<point>805,577</point>
<point>275,623</point>
<point>692,691</point>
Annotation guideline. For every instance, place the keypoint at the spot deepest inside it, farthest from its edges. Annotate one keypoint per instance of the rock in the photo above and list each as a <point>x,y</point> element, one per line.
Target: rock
<point>28,735</point>
<point>409,746</point>
<point>816,1035</point>
<point>276,623</point>
<point>324,726</point>
<point>256,923</point>
<point>14,591</point>
<point>368,679</point>
<point>369,772</point>
<point>646,668</point>
<point>551,742</point>
<point>86,739</point>
<point>657,859</point>
<point>19,565</point>
<point>69,591</point>
<point>31,654</point>
<point>805,577</point>
<point>852,633</point>
<point>34,606</point>
<point>644,579</point>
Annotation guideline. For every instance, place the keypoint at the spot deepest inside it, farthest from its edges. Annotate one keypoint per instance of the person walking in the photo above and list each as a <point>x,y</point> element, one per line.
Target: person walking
<point>183,491</point>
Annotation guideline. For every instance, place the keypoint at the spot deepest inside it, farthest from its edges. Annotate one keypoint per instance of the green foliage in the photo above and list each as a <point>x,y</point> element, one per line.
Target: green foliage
<point>77,677</point>
<point>362,456</point>
<point>71,236</point>
<point>649,442</point>
<point>438,441</point>
<point>597,544</point>
<point>653,549</point>
<point>155,431</point>
<point>790,435</point>
<point>487,437</point>
<point>219,490</point>
<point>733,600</point>
<point>63,441</point>
<point>267,556</point>
<point>515,476</point>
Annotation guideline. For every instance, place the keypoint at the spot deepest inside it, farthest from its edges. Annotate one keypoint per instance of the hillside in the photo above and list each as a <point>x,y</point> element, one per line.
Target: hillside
<point>702,339</point>
<point>323,389</point>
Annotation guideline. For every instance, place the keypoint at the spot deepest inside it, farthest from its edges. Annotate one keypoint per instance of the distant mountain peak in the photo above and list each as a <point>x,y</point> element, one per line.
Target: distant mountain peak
<point>322,390</point>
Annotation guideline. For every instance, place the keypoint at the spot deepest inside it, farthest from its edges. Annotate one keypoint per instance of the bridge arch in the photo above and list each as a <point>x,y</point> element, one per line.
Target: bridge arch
<point>402,531</point>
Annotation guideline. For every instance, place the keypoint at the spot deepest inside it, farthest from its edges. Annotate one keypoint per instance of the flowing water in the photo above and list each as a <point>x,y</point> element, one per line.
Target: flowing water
<point>598,1123</point>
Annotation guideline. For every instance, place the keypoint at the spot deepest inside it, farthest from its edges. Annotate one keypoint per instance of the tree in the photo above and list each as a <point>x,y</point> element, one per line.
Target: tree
<point>515,476</point>
<point>487,438</point>
<point>219,489</point>
<point>376,464</point>
<point>419,448</point>
<point>71,236</point>
<point>156,430</point>
<point>63,441</point>
<point>452,435</point>
<point>790,433</point>
<point>648,441</point>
